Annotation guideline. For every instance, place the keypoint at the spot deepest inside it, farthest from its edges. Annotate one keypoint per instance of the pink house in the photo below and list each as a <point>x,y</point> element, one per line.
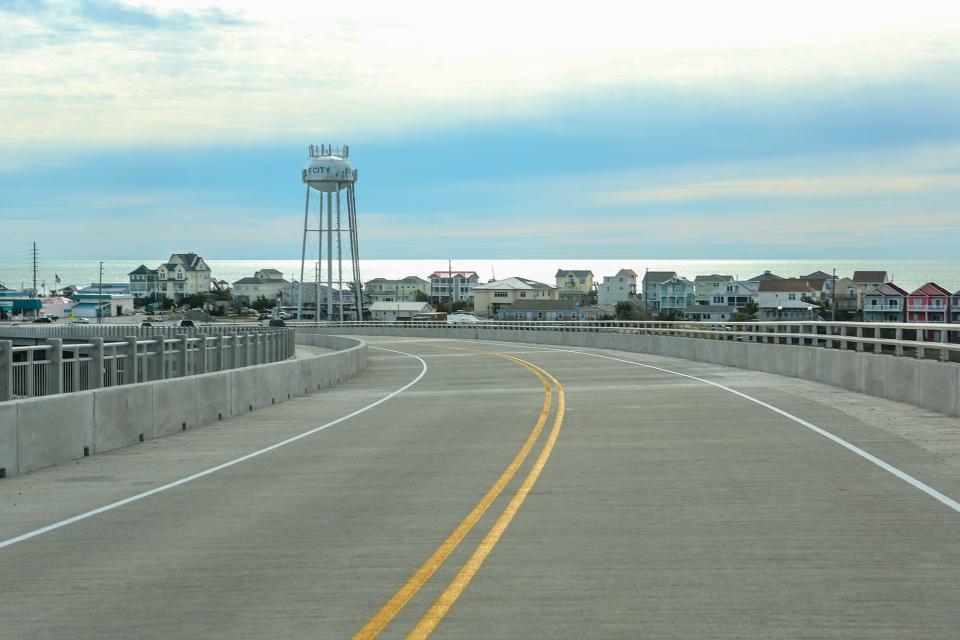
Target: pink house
<point>929,303</point>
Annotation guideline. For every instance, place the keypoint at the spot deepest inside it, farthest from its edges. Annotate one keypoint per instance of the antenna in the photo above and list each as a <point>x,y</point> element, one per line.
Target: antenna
<point>34,270</point>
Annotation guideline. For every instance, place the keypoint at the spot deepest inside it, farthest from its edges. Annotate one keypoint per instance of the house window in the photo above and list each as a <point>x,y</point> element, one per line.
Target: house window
<point>523,294</point>
<point>499,294</point>
<point>792,296</point>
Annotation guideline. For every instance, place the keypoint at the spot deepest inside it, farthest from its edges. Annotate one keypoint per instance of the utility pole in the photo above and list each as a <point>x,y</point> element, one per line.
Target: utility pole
<point>450,274</point>
<point>833,295</point>
<point>100,296</point>
<point>34,270</point>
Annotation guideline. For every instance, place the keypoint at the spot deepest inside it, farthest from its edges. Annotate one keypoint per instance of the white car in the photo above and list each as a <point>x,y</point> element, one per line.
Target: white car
<point>80,321</point>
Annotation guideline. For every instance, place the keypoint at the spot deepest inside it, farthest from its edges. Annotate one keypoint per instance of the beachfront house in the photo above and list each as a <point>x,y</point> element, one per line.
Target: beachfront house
<point>674,295</point>
<point>784,299</point>
<point>403,289</point>
<point>546,310</point>
<point>182,275</point>
<point>266,283</point>
<point>709,313</point>
<point>398,311</point>
<point>928,303</point>
<point>452,286</point>
<point>574,284</point>
<point>736,294</point>
<point>885,303</point>
<point>493,296</point>
<point>617,288</point>
<point>651,294</point>
<point>847,296</point>
<point>706,287</point>
<point>869,280</point>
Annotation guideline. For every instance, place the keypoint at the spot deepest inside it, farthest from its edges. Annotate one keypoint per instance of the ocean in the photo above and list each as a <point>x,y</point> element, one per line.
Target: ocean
<point>909,274</point>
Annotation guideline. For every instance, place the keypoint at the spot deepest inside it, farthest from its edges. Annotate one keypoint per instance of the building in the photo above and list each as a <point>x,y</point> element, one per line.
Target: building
<point>819,276</point>
<point>574,284</point>
<point>290,296</point>
<point>651,280</point>
<point>736,294</point>
<point>267,283</point>
<point>766,275</point>
<point>546,310</point>
<point>455,286</point>
<point>398,311</point>
<point>182,275</point>
<point>928,303</point>
<point>404,289</point>
<point>493,296</point>
<point>617,288</point>
<point>885,303</point>
<point>847,296</point>
<point>113,288</point>
<point>674,295</point>
<point>783,298</point>
<point>22,304</point>
<point>705,287</point>
<point>93,305</point>
<point>709,313</point>
<point>869,280</point>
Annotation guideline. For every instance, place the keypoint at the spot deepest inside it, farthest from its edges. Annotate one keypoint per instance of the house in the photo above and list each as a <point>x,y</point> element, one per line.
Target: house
<point>736,294</point>
<point>705,287</point>
<point>784,298</point>
<point>574,284</point>
<point>93,305</point>
<point>398,311</point>
<point>766,275</point>
<point>113,288</point>
<point>674,295</point>
<point>651,280</point>
<point>847,296</point>
<point>182,275</point>
<point>455,286</point>
<point>617,288</point>
<point>819,276</point>
<point>404,289</point>
<point>493,296</point>
<point>955,308</point>
<point>885,303</point>
<point>290,297</point>
<point>266,283</point>
<point>928,303</point>
<point>546,310</point>
<point>19,303</point>
<point>143,282</point>
<point>869,280</point>
<point>709,313</point>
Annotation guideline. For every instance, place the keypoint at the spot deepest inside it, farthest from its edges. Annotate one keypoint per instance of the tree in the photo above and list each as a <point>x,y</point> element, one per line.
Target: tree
<point>751,309</point>
<point>421,297</point>
<point>263,303</point>
<point>624,311</point>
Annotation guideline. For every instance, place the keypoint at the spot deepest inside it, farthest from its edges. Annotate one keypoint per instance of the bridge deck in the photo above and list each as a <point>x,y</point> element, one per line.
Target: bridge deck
<point>668,508</point>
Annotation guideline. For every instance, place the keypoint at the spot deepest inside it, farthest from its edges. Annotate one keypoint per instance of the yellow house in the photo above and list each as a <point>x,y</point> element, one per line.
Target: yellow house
<point>573,283</point>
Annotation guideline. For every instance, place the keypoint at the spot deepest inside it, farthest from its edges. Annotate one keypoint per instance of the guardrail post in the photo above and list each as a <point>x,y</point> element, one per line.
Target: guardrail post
<point>95,373</point>
<point>54,366</point>
<point>234,350</point>
<point>945,339</point>
<point>184,355</point>
<point>6,370</point>
<point>200,366</point>
<point>898,349</point>
<point>131,366</point>
<point>160,367</point>
<point>860,335</point>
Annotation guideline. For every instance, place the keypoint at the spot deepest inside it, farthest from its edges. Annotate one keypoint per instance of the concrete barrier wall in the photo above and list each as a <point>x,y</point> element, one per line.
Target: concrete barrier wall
<point>39,432</point>
<point>924,383</point>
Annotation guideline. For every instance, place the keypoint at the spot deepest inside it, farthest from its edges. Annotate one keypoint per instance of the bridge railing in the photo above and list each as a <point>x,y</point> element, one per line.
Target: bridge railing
<point>911,339</point>
<point>58,366</point>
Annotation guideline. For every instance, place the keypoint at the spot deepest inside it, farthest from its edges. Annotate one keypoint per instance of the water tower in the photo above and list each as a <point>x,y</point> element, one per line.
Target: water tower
<point>330,178</point>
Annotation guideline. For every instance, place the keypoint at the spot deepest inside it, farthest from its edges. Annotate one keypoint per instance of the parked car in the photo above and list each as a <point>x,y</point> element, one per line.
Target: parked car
<point>80,321</point>
<point>186,324</point>
<point>146,324</point>
<point>43,319</point>
<point>275,322</point>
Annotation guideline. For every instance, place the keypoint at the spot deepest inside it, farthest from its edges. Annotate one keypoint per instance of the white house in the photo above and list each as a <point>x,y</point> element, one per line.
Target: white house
<point>736,294</point>
<point>784,299</point>
<point>705,287</point>
<point>182,275</point>
<point>398,311</point>
<point>404,289</point>
<point>455,286</point>
<point>617,288</point>
<point>265,282</point>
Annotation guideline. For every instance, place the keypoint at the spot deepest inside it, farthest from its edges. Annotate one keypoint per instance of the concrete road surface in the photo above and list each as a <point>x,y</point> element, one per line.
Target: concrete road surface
<point>664,507</point>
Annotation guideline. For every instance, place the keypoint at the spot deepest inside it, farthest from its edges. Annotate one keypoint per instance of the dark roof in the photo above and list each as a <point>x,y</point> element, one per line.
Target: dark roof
<point>817,275</point>
<point>141,270</point>
<point>658,276</point>
<point>535,284</point>
<point>714,277</point>
<point>888,289</point>
<point>869,276</point>
<point>784,285</point>
<point>766,275</point>
<point>572,272</point>
<point>252,280</point>
<point>542,305</point>
<point>710,308</point>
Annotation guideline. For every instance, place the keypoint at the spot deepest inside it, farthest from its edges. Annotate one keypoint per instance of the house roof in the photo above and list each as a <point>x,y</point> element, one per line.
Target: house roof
<point>629,272</point>
<point>710,308</point>
<point>542,305</point>
<point>513,283</point>
<point>400,306</point>
<point>888,289</point>
<point>563,273</point>
<point>141,270</point>
<point>252,280</point>
<point>446,274</point>
<point>410,279</point>
<point>766,275</point>
<point>930,289</point>
<point>675,278</point>
<point>792,285</point>
<point>817,275</point>
<point>790,304</point>
<point>714,277</point>
<point>190,261</point>
<point>656,277</point>
<point>869,276</point>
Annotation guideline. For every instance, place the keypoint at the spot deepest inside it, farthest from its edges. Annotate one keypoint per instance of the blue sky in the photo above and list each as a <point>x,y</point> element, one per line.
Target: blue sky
<point>137,129</point>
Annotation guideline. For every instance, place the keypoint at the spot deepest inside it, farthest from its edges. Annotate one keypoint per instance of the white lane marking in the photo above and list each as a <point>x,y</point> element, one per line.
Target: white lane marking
<point>886,466</point>
<point>219,467</point>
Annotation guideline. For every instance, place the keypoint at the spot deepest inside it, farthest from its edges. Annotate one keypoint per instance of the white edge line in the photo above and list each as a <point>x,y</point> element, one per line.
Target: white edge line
<point>219,467</point>
<point>886,466</point>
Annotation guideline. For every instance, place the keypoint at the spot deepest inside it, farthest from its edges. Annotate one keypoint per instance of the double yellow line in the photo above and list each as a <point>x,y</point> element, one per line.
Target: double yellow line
<point>442,605</point>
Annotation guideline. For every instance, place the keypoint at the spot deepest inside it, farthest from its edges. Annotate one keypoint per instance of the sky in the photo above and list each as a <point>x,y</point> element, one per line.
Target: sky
<point>734,130</point>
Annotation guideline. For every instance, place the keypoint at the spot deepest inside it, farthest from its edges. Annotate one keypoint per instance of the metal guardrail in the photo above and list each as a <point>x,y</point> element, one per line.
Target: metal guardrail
<point>911,339</point>
<point>58,366</point>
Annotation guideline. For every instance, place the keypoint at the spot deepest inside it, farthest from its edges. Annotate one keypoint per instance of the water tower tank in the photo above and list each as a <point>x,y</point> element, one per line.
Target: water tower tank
<point>328,170</point>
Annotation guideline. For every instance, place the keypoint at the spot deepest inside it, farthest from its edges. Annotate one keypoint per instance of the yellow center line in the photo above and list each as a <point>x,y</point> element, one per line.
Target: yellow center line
<point>387,612</point>
<point>442,605</point>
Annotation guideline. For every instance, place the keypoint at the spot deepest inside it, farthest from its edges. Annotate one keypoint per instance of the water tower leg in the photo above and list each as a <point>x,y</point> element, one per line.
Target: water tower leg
<point>303,254</point>
<point>329,256</point>
<point>355,249</point>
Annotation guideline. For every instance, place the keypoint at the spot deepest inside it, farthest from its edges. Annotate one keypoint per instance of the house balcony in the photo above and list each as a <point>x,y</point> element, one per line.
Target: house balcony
<point>927,306</point>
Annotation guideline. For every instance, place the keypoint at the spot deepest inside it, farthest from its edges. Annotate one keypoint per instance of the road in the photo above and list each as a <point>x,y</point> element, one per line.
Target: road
<point>633,502</point>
